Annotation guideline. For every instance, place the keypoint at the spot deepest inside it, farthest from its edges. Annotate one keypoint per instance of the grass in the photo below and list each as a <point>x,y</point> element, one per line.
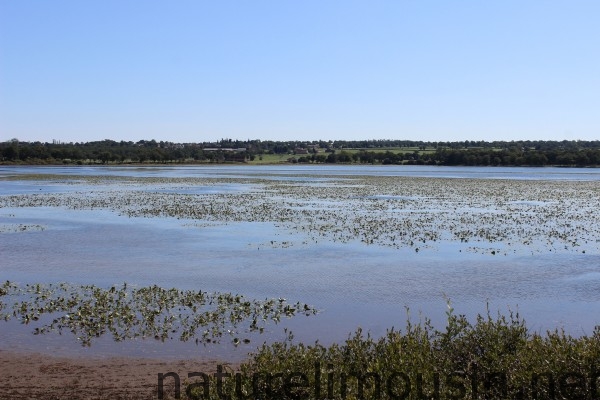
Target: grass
<point>270,159</point>
<point>283,158</point>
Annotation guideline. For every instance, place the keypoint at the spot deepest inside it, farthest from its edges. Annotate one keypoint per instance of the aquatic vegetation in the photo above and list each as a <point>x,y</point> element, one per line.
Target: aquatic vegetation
<point>124,312</point>
<point>503,216</point>
<point>421,215</point>
<point>7,228</point>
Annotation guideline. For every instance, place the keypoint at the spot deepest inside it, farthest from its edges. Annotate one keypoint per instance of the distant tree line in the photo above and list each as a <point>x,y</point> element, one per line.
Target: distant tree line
<point>476,153</point>
<point>470,157</point>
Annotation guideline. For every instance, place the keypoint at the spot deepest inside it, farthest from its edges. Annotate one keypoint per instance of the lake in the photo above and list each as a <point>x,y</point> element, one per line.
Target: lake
<point>360,243</point>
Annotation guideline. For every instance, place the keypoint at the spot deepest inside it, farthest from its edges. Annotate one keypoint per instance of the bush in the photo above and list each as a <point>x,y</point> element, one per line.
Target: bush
<point>493,358</point>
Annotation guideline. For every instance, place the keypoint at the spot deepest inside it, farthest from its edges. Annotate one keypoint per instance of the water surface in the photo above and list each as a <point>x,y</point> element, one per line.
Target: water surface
<point>104,231</point>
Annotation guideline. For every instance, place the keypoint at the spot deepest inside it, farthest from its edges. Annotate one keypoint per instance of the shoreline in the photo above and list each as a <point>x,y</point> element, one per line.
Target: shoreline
<point>40,376</point>
<point>284,163</point>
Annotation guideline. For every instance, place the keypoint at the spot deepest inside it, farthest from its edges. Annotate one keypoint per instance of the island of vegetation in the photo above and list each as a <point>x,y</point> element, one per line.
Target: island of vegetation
<point>568,153</point>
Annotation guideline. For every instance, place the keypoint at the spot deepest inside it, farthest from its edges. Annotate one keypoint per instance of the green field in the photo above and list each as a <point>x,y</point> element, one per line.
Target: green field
<point>283,158</point>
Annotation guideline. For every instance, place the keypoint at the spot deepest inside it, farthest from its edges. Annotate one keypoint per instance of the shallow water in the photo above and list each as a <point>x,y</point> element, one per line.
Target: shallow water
<point>353,283</point>
<point>294,172</point>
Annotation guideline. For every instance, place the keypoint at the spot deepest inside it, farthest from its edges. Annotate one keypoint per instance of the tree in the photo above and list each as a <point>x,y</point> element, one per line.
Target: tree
<point>12,151</point>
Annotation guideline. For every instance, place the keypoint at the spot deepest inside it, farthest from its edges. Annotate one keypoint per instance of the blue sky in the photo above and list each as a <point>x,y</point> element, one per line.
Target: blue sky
<point>190,71</point>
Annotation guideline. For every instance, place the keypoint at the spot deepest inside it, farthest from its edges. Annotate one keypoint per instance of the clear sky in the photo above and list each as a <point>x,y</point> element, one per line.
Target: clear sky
<point>191,71</point>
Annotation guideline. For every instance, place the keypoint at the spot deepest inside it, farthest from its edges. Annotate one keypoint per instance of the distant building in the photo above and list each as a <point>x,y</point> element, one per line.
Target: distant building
<point>239,149</point>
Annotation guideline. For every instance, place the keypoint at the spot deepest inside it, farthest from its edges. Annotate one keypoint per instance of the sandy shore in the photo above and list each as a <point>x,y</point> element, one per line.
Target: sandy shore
<point>37,376</point>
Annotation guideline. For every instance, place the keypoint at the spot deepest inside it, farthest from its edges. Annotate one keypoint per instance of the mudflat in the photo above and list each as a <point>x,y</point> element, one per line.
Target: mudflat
<point>39,376</point>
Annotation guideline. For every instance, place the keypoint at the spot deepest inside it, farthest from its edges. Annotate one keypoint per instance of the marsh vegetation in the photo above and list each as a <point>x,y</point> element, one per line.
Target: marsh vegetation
<point>494,357</point>
<point>356,237</point>
<point>89,312</point>
<point>495,217</point>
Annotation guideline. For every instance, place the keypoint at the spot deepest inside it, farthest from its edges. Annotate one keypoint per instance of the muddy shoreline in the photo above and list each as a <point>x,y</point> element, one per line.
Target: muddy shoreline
<point>39,376</point>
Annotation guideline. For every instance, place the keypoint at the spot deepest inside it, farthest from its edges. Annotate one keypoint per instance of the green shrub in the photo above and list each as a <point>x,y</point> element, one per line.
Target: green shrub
<point>492,358</point>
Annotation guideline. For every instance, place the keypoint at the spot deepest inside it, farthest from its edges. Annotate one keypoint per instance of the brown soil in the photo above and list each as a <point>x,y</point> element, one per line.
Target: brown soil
<point>37,376</point>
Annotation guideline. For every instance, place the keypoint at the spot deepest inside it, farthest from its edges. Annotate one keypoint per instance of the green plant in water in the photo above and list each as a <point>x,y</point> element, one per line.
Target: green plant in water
<point>89,311</point>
